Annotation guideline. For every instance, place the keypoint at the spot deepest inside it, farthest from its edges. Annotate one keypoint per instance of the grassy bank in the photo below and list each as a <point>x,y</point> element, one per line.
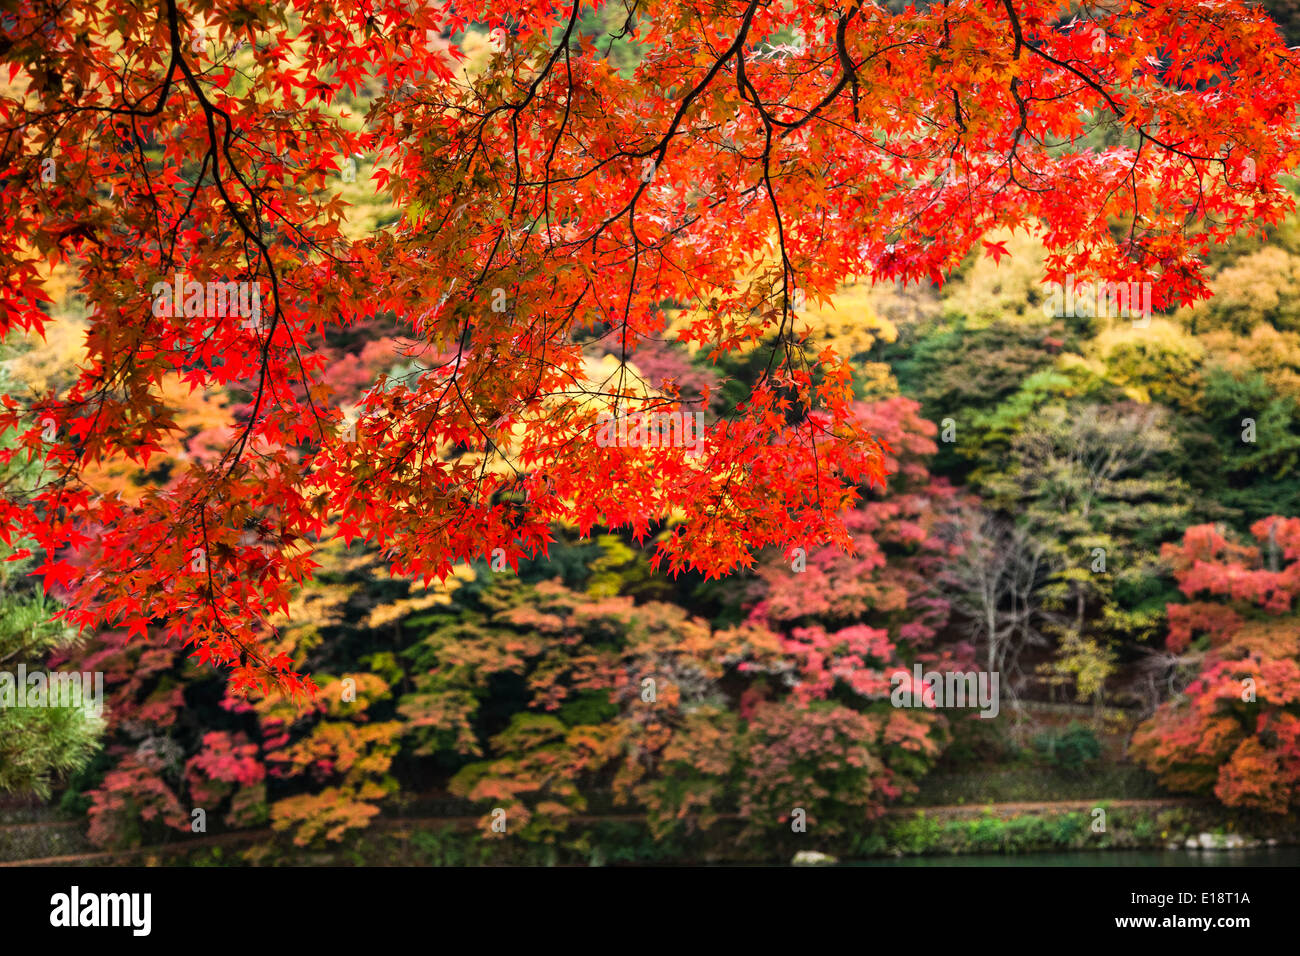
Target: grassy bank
<point>948,831</point>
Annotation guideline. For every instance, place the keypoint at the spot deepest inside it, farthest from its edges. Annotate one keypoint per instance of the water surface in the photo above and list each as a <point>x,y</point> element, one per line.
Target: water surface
<point>1262,856</point>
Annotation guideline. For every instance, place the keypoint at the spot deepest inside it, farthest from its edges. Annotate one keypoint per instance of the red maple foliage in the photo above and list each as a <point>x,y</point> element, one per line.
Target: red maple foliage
<point>1236,726</point>
<point>758,155</point>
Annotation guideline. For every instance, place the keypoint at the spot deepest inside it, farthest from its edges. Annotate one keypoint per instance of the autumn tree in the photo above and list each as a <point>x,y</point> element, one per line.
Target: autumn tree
<point>559,696</point>
<point>548,198</point>
<point>1093,484</point>
<point>902,540</point>
<point>1234,729</point>
<point>996,581</point>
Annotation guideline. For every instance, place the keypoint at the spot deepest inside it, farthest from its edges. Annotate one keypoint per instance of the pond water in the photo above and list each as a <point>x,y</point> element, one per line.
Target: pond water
<point>1263,856</point>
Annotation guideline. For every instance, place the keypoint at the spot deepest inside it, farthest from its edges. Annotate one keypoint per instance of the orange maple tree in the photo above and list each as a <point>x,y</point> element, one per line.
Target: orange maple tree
<point>1235,728</point>
<point>183,156</point>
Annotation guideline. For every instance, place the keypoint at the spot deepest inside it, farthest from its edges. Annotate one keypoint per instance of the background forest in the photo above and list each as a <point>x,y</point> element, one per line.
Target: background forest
<point>1103,511</point>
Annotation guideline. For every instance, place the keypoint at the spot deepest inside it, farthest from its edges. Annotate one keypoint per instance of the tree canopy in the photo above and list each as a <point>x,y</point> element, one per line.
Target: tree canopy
<point>733,162</point>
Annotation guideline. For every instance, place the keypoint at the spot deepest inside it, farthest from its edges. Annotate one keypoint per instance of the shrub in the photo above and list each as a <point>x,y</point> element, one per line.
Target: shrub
<point>1070,751</point>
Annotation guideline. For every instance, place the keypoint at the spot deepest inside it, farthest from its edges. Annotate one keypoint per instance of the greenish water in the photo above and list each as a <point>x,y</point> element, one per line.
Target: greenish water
<point>1275,856</point>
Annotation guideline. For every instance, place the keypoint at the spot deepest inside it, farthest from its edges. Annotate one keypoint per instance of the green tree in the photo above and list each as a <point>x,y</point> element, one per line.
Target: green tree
<point>1095,484</point>
<point>38,745</point>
